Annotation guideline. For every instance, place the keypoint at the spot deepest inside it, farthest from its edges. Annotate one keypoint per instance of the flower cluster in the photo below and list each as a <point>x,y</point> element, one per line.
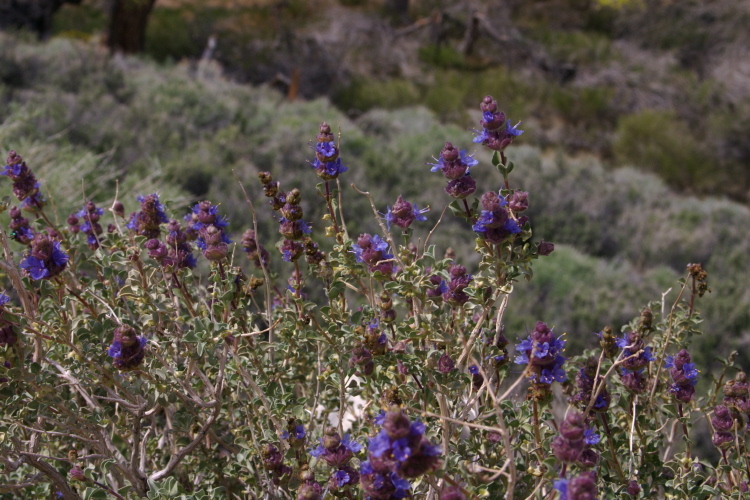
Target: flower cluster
<point>399,452</point>
<point>374,343</point>
<point>495,223</point>
<point>541,351</point>
<point>146,222</point>
<point>402,213</point>
<point>8,335</point>
<point>440,287</point>
<point>497,133</point>
<point>207,227</point>
<point>25,185</point>
<point>574,441</point>
<point>254,250</point>
<point>373,251</point>
<point>327,163</point>
<point>127,349</point>
<point>176,253</point>
<point>723,423</point>
<point>635,356</point>
<point>19,227</point>
<point>337,452</point>
<point>90,215</point>
<point>582,487</point>
<point>456,167</point>
<point>460,279</point>
<point>737,392</point>
<point>684,376</point>
<point>728,415</point>
<point>291,225</point>
<point>273,461</point>
<point>45,259</point>
<point>295,434</point>
<point>585,384</point>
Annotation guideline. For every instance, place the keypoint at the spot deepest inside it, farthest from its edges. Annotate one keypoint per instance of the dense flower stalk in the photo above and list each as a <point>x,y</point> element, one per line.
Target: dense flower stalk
<point>176,253</point>
<point>327,163</point>
<point>585,384</point>
<point>147,222</point>
<point>497,133</point>
<point>460,279</point>
<point>208,227</point>
<point>25,185</point>
<point>684,376</point>
<point>254,250</point>
<point>582,487</point>
<point>20,230</point>
<point>373,251</point>
<point>45,259</point>
<point>399,452</point>
<point>403,214</point>
<point>456,167</point>
<point>127,349</point>
<point>90,216</point>
<point>541,351</point>
<point>635,355</point>
<point>495,223</point>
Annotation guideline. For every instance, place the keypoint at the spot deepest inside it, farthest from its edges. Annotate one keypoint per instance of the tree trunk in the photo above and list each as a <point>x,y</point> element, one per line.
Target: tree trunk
<point>127,25</point>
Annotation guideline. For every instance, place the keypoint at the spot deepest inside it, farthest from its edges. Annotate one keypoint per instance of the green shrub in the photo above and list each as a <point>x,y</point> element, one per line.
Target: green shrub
<point>659,141</point>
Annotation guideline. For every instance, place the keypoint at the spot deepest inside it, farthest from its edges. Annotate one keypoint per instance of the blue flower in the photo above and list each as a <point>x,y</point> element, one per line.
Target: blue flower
<point>513,129</point>
<point>474,369</point>
<point>341,477</point>
<point>331,168</point>
<point>379,418</point>
<point>350,444</point>
<point>366,467</point>
<point>379,444</point>
<point>481,136</point>
<point>3,299</point>
<point>326,149</point>
<point>467,159</point>
<point>59,258</point>
<point>561,485</point>
<point>401,450</point>
<point>670,362</point>
<point>316,452</point>
<point>690,372</point>
<point>115,350</point>
<point>591,437</point>
<point>647,354</point>
<point>35,267</point>
<point>402,486</point>
<point>12,170</point>
<point>438,165</point>
<point>556,374</point>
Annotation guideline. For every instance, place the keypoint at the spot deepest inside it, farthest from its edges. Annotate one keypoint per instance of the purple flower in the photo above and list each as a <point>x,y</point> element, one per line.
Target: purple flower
<point>542,351</point>
<point>45,259</point>
<point>493,135</point>
<point>127,348</point>
<point>341,477</point>
<point>591,437</point>
<point>403,213</point>
<point>152,215</point>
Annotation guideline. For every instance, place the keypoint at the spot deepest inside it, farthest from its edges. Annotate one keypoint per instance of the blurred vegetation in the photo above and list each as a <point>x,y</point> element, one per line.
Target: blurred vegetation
<point>84,120</point>
<point>570,67</point>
